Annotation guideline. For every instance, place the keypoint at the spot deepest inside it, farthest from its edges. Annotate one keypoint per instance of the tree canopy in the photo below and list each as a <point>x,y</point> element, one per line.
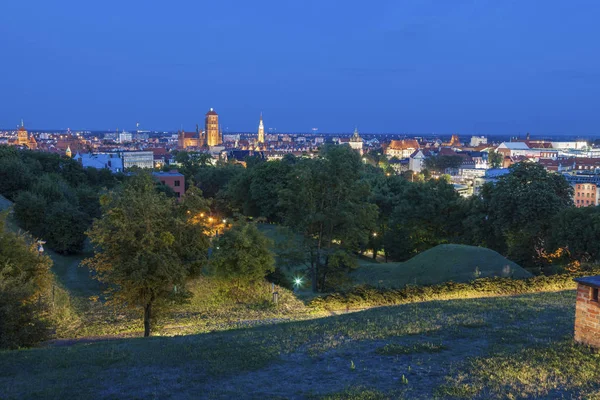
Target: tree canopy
<point>147,246</point>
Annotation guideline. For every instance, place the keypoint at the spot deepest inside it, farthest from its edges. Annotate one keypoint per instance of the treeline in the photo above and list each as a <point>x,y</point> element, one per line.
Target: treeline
<point>55,198</point>
<point>343,205</point>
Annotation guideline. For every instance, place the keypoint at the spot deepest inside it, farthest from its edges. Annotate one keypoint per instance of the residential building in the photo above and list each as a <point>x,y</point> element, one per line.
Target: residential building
<point>174,180</point>
<point>109,161</point>
<point>416,162</point>
<point>511,149</point>
<point>478,141</point>
<point>402,148</point>
<point>125,137</point>
<point>140,159</point>
<point>586,189</point>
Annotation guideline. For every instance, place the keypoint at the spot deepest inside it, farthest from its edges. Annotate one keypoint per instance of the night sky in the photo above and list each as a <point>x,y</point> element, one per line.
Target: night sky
<point>414,66</point>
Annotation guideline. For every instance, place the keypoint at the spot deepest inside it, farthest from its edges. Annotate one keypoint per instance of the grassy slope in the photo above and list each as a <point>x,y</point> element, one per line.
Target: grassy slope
<point>448,262</point>
<point>478,348</point>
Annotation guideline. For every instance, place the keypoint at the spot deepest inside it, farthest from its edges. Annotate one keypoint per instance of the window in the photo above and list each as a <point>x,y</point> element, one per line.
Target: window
<point>178,194</point>
<point>163,182</point>
<point>594,296</point>
<point>177,183</point>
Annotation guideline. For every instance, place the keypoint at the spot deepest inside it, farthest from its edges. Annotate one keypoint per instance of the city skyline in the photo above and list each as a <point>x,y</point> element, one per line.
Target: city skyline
<point>468,67</point>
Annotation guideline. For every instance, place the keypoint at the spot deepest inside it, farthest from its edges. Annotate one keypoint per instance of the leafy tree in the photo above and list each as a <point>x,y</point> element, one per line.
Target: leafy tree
<point>211,180</point>
<point>14,176</point>
<point>442,162</point>
<point>326,202</point>
<point>424,215</point>
<point>578,230</point>
<point>339,264</point>
<point>64,228</point>
<point>30,211</point>
<point>24,277</point>
<point>139,247</point>
<point>516,212</point>
<point>256,191</point>
<point>495,159</point>
<point>242,255</point>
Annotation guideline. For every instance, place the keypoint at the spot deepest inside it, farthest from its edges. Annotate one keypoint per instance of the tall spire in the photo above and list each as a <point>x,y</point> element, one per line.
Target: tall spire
<point>261,130</point>
<point>22,122</point>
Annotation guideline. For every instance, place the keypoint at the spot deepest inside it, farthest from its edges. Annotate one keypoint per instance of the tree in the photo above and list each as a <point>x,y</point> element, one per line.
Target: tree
<point>516,212</point>
<point>443,162</point>
<point>15,176</point>
<point>64,228</point>
<point>424,215</point>
<point>242,255</point>
<point>578,230</point>
<point>138,250</point>
<point>326,202</point>
<point>30,211</point>
<point>495,159</point>
<point>24,277</point>
<point>256,191</point>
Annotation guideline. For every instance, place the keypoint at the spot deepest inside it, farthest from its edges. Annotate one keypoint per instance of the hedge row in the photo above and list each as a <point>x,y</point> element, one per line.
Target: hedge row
<point>368,296</point>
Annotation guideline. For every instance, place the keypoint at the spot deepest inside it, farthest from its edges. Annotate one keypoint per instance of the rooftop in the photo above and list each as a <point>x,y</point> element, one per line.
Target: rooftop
<point>171,173</point>
<point>593,281</point>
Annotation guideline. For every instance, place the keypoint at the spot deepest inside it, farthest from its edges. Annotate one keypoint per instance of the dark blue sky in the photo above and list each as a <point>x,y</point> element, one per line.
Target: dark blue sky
<point>419,66</point>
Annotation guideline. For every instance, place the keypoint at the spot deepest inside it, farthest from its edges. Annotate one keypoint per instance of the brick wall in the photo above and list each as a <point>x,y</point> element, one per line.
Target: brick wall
<point>587,317</point>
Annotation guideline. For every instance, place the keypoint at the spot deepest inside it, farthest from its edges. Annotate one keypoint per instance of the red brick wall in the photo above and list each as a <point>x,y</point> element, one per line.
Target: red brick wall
<point>587,317</point>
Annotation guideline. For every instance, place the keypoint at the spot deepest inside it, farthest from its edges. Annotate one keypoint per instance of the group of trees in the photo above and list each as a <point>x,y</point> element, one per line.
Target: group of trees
<point>148,245</point>
<point>55,197</point>
<point>334,206</point>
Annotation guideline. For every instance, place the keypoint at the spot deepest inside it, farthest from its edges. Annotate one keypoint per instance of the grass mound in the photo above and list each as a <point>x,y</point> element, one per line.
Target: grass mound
<point>443,263</point>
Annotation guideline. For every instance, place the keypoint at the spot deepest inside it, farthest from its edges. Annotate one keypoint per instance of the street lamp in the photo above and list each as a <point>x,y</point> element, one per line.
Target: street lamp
<point>297,282</point>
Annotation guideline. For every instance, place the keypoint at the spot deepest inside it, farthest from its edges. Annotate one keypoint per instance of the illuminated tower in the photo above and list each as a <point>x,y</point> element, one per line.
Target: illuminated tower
<point>211,128</point>
<point>356,142</point>
<point>261,130</point>
<point>68,153</point>
<point>22,136</point>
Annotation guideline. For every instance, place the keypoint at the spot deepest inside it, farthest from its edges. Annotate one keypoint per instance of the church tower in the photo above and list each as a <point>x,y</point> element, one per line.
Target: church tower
<point>68,152</point>
<point>22,136</point>
<point>211,123</point>
<point>181,139</point>
<point>261,131</point>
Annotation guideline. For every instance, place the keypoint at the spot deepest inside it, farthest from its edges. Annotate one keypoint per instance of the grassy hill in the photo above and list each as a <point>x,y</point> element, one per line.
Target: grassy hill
<point>507,347</point>
<point>447,262</point>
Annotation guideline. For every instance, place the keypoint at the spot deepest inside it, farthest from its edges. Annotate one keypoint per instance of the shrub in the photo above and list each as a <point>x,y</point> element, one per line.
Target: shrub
<point>368,296</point>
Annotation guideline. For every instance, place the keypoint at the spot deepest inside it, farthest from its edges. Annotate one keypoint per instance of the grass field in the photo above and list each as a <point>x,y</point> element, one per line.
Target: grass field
<point>507,347</point>
<point>443,263</point>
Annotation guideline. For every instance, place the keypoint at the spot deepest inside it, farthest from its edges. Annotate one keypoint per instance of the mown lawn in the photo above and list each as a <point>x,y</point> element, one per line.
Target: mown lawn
<point>506,347</point>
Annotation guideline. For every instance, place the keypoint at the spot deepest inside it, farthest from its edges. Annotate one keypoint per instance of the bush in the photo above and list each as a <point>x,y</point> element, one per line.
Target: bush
<point>19,322</point>
<point>368,296</point>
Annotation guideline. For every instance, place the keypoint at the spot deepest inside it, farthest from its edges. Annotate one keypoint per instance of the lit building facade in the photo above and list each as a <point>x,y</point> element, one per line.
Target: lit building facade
<point>211,124</point>
<point>356,142</point>
<point>140,159</point>
<point>261,131</point>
